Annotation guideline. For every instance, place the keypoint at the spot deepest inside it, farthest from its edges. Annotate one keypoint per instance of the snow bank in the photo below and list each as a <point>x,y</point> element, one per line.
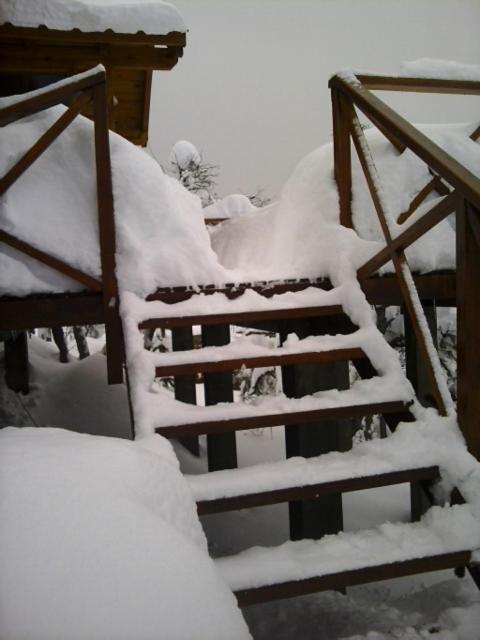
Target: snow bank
<point>299,235</point>
<point>232,206</point>
<point>100,539</point>
<point>161,235</point>
<point>122,16</point>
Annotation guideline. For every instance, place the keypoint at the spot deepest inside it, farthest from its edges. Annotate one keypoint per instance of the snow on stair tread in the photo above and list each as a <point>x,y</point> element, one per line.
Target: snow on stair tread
<point>219,304</point>
<point>379,456</point>
<point>442,530</point>
<point>247,347</point>
<point>168,412</point>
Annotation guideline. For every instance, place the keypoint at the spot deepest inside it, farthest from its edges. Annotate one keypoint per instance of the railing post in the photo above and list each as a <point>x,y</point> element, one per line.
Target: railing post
<point>342,158</point>
<point>468,324</point>
<point>106,226</point>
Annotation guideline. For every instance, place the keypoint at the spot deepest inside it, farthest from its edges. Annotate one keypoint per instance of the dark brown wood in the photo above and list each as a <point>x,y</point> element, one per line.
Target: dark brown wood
<point>43,143</point>
<point>50,261</point>
<point>211,222</point>
<point>468,334</point>
<point>431,186</point>
<point>16,362</point>
<point>48,98</point>
<point>261,361</point>
<point>51,310</point>
<point>244,316</point>
<point>221,445</point>
<point>440,161</point>
<point>248,501</point>
<point>344,579</point>
<point>106,226</point>
<point>277,419</point>
<point>385,290</point>
<point>401,265</point>
<point>342,158</point>
<point>185,387</point>
<point>9,32</point>
<point>431,218</point>
<point>67,58</point>
<point>419,85</point>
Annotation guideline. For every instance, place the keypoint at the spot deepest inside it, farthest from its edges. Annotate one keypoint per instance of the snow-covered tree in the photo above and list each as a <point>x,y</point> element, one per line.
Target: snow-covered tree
<point>187,165</point>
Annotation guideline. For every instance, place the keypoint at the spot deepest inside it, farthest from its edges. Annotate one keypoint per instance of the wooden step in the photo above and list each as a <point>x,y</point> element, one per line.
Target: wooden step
<point>277,357</point>
<point>231,496</point>
<point>336,561</point>
<point>343,579</point>
<point>281,418</point>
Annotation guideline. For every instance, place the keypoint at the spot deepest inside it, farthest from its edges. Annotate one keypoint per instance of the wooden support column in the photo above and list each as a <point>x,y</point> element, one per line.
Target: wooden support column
<point>342,158</point>
<point>320,516</point>
<point>468,319</point>
<point>16,362</point>
<point>221,448</point>
<point>182,339</point>
<point>418,376</point>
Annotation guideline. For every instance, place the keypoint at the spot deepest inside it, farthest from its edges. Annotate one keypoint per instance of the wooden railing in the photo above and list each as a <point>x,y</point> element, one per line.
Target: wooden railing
<point>79,91</point>
<point>461,194</point>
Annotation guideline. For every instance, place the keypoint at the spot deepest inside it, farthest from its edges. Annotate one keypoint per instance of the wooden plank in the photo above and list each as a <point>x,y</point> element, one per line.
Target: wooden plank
<point>261,361</point>
<point>244,316</point>
<point>429,220</point>
<point>247,597</point>
<point>67,58</point>
<point>419,85</point>
<point>435,157</point>
<point>431,186</point>
<point>9,32</point>
<point>342,159</point>
<point>51,310</point>
<point>278,419</point>
<point>50,261</point>
<point>43,143</point>
<point>106,226</point>
<point>385,290</point>
<point>221,446</point>
<point>468,334</point>
<point>185,387</point>
<point>48,98</point>
<point>312,491</point>
<point>401,267</point>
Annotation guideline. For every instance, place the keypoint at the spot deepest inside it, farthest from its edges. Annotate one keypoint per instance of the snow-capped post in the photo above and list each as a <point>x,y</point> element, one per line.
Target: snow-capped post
<point>106,227</point>
<point>468,315</point>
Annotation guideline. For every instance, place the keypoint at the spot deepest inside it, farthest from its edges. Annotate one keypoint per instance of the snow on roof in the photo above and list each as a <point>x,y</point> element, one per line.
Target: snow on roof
<point>100,539</point>
<point>122,16</point>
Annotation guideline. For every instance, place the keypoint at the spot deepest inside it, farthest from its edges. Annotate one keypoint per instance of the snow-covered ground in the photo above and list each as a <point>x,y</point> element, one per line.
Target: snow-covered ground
<point>432,605</point>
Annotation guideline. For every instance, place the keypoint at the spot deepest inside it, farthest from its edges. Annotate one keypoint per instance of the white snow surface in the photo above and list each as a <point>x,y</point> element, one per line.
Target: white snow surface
<point>100,539</point>
<point>161,235</point>
<point>122,16</point>
<point>442,69</point>
<point>233,205</point>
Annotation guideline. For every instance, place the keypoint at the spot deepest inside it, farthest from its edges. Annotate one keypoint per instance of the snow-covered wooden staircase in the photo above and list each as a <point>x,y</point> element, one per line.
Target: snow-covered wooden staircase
<point>308,565</point>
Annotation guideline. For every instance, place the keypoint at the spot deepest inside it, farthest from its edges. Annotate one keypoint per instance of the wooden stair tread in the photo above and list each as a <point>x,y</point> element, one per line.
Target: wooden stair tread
<point>265,573</point>
<point>279,418</point>
<point>271,358</point>
<point>260,485</point>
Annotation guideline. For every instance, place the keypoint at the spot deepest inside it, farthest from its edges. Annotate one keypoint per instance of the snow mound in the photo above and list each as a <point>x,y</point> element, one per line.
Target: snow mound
<point>100,539</point>
<point>299,235</point>
<point>122,16</point>
<point>232,206</point>
<point>161,235</point>
<point>442,69</point>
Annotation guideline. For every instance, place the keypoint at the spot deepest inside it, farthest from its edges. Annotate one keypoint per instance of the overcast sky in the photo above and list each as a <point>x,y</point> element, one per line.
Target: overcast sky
<point>251,90</point>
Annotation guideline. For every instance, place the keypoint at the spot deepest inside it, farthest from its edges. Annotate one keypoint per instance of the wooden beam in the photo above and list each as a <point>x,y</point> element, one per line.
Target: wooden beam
<point>40,34</point>
<point>50,261</point>
<point>48,97</point>
<point>247,597</point>
<point>429,220</point>
<point>342,158</point>
<point>68,59</point>
<point>419,85</point>
<point>43,143</point>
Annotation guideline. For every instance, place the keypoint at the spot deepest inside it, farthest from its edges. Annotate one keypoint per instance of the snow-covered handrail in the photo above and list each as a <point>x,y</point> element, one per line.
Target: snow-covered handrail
<point>80,90</point>
<point>461,191</point>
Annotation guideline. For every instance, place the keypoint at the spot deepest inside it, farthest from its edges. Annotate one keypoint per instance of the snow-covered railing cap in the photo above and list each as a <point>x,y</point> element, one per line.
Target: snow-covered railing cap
<point>152,17</point>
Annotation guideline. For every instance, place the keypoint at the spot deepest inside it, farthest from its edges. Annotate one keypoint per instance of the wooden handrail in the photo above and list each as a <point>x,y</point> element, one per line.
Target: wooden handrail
<point>419,85</point>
